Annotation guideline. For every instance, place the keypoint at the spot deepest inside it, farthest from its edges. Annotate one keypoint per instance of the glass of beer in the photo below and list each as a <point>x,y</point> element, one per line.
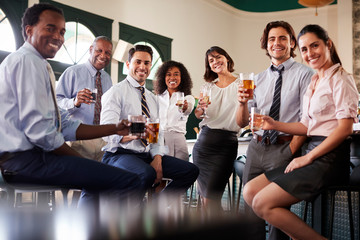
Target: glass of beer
<point>155,125</point>
<point>247,81</point>
<point>137,127</point>
<point>256,118</point>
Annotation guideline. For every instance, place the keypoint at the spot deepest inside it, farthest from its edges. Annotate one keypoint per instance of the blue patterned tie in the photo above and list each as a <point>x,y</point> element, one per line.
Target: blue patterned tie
<point>275,108</point>
<point>144,109</point>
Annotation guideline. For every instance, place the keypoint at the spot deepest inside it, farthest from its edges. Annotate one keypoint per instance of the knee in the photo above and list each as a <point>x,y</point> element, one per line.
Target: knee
<point>259,206</point>
<point>249,194</point>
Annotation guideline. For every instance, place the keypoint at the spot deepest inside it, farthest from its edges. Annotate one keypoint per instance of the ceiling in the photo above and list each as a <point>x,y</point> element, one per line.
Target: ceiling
<point>265,5</point>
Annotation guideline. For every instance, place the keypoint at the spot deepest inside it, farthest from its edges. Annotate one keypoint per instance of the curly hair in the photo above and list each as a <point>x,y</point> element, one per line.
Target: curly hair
<point>160,84</point>
<point>32,14</point>
<point>209,75</point>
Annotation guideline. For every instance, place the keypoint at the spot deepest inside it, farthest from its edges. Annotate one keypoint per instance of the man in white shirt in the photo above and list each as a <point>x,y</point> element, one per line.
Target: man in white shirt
<point>149,162</point>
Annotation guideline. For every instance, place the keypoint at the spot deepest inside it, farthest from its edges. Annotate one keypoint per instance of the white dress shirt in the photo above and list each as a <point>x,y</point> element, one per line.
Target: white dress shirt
<point>170,114</point>
<point>124,99</point>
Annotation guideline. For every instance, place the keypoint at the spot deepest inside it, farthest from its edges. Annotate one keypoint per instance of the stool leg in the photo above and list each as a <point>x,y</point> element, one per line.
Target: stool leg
<point>191,195</point>
<point>331,216</point>
<point>229,195</point>
<point>239,196</point>
<point>350,215</point>
<point>305,211</point>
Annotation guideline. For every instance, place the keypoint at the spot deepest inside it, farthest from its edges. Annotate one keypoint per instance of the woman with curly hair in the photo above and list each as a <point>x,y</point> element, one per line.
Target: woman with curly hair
<point>173,77</point>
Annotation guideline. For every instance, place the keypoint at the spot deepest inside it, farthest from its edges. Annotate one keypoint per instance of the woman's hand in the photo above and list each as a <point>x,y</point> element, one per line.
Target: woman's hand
<point>268,123</point>
<point>298,163</point>
<point>243,97</point>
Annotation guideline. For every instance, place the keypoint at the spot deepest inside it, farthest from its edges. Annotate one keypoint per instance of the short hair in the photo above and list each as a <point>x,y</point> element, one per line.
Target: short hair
<point>322,34</point>
<point>31,15</point>
<point>140,48</point>
<point>104,38</point>
<point>276,24</point>
<point>209,75</point>
<point>185,84</point>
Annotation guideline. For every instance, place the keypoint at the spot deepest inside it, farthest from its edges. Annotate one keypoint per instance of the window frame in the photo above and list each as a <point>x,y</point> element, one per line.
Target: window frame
<point>14,10</point>
<point>98,25</point>
<point>133,35</point>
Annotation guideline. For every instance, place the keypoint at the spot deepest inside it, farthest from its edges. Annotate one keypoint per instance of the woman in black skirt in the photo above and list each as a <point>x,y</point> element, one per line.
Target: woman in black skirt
<point>329,110</point>
<point>216,147</point>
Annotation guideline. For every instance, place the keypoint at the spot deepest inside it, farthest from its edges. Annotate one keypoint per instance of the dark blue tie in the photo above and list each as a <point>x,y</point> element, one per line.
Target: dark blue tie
<point>144,109</point>
<point>275,108</point>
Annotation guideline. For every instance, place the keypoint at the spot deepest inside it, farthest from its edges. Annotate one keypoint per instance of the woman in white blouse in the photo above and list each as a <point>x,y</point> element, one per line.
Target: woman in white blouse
<point>216,147</point>
<point>173,77</point>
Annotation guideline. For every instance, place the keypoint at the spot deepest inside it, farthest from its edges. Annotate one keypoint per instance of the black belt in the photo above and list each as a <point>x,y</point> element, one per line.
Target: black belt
<point>279,140</point>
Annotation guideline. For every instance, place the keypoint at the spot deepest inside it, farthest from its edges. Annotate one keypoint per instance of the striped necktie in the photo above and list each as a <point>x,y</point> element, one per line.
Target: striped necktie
<point>52,83</point>
<point>144,109</point>
<point>275,108</point>
<point>97,110</point>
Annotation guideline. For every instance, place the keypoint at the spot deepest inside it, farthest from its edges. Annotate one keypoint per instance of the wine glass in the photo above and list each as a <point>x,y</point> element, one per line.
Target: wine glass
<point>205,96</point>
<point>180,99</point>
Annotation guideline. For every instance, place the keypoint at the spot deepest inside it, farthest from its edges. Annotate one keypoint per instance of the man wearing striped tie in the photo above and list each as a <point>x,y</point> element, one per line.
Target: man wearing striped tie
<point>279,91</point>
<point>148,161</point>
<point>74,93</point>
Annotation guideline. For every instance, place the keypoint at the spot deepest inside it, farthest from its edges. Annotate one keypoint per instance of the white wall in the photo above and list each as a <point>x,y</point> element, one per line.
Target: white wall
<point>196,25</point>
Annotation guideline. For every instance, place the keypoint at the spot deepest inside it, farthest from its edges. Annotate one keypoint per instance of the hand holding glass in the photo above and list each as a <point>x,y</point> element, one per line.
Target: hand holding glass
<point>154,123</point>
<point>180,100</point>
<point>137,127</point>
<point>205,97</point>
<point>247,81</point>
<point>257,118</point>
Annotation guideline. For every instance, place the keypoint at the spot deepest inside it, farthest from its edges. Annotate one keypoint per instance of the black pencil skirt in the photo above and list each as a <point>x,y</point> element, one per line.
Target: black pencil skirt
<point>214,153</point>
<point>307,182</point>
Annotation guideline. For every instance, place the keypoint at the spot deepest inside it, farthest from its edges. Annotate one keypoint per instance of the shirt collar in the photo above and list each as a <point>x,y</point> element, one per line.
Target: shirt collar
<point>287,64</point>
<point>32,49</point>
<point>91,68</point>
<point>133,82</point>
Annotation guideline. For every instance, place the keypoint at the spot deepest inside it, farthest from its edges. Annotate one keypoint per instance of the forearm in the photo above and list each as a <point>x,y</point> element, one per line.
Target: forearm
<point>339,134</point>
<point>295,128</point>
<point>94,131</point>
<point>242,115</point>
<point>297,142</point>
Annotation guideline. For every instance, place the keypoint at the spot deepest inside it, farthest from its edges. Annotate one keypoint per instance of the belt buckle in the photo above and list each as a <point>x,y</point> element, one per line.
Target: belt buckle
<point>267,140</point>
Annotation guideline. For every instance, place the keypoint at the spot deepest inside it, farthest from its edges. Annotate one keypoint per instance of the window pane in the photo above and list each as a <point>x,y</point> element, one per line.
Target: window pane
<point>7,40</point>
<point>78,39</point>
<point>156,62</point>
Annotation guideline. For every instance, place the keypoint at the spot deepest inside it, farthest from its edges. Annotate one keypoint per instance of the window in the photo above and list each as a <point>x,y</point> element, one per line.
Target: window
<point>10,26</point>
<point>75,49</point>
<point>157,61</point>
<point>161,47</point>
<point>81,29</point>
<point>7,41</point>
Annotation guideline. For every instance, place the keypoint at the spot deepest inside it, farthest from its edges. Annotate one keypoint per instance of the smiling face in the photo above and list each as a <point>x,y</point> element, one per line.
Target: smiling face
<point>218,63</point>
<point>100,54</point>
<point>279,45</point>
<point>139,66</point>
<point>315,52</point>
<point>47,36</point>
<point>173,79</point>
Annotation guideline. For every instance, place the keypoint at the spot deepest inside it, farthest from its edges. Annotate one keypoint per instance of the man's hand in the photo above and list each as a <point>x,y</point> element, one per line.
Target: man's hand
<point>83,96</point>
<point>157,165</point>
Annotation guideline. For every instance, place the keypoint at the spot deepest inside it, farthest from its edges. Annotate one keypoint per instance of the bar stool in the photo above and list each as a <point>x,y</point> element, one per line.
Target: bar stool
<point>239,165</point>
<point>11,193</point>
<point>354,186</point>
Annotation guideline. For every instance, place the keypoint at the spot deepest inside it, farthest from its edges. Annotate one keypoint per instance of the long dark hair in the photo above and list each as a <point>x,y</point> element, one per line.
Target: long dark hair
<point>276,24</point>
<point>322,34</point>
<point>209,75</point>
<point>185,84</point>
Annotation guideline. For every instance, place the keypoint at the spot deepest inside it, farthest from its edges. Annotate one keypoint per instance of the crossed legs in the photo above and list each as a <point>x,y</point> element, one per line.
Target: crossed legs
<point>269,201</point>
